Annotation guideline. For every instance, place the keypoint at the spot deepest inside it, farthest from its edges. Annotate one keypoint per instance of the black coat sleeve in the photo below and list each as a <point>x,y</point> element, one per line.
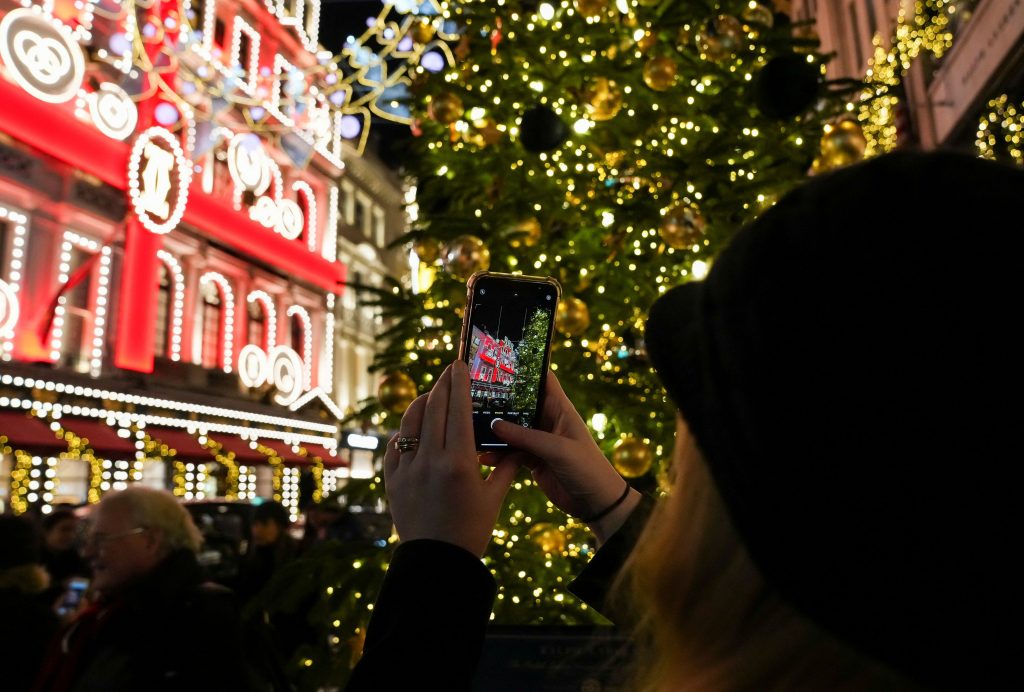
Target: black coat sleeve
<point>593,583</point>
<point>427,628</point>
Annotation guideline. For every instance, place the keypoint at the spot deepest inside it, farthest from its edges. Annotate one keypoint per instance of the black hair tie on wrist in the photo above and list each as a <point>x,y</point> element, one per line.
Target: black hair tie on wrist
<point>610,508</point>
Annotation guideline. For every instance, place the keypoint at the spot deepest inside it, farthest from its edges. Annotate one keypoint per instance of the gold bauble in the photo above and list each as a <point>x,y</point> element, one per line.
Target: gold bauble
<point>632,457</point>
<point>842,144</point>
<point>758,14</point>
<point>591,8</point>
<point>682,226</point>
<point>427,249</point>
<point>396,391</point>
<point>572,317</point>
<point>465,255</point>
<point>660,73</point>
<point>526,233</point>
<point>446,108</point>
<point>647,41</point>
<point>421,31</point>
<point>548,536</point>
<point>488,130</point>
<point>720,38</point>
<point>603,99</point>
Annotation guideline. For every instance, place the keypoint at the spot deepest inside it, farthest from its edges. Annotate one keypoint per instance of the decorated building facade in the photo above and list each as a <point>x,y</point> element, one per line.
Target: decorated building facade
<point>171,200</point>
<point>492,366</point>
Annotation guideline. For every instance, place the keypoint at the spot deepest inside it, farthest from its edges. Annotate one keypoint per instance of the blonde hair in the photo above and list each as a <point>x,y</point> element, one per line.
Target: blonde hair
<point>158,509</point>
<point>707,621</point>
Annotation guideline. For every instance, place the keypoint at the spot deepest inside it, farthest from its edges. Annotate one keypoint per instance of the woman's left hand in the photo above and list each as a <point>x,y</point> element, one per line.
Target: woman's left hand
<point>438,491</point>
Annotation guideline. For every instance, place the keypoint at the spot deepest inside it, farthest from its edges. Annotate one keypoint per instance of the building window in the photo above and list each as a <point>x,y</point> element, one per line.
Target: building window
<point>379,227</point>
<point>257,324</point>
<point>77,310</point>
<point>212,318</point>
<point>362,218</point>
<point>163,313</point>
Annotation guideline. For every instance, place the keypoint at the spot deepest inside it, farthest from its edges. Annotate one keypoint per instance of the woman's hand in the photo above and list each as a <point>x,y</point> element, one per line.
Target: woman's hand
<point>567,464</point>
<point>437,491</point>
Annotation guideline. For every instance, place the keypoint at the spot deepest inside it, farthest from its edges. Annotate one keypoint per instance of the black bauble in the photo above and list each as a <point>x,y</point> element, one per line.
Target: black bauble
<point>542,130</point>
<point>787,86</point>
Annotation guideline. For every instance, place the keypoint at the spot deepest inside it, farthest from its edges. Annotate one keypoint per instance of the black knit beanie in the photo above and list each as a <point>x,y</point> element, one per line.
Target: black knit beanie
<point>851,370</point>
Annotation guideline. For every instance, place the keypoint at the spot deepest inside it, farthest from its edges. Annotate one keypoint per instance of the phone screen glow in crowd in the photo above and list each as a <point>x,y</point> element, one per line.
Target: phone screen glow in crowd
<point>507,352</point>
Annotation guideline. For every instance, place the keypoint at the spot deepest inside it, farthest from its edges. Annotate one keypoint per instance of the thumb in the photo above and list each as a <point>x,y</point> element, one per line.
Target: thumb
<point>502,475</point>
<point>544,445</point>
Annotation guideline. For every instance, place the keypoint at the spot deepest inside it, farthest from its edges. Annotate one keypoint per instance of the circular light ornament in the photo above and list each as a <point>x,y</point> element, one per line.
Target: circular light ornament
<point>8,310</point>
<point>253,366</point>
<point>286,374</point>
<point>158,180</point>
<point>41,55</point>
<point>290,221</point>
<point>247,163</point>
<point>113,112</point>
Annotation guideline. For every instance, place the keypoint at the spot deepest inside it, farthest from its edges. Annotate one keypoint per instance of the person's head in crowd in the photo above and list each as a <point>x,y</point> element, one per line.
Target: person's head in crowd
<point>20,565</point>
<point>134,530</point>
<point>60,529</point>
<point>270,521</point>
<point>840,511</point>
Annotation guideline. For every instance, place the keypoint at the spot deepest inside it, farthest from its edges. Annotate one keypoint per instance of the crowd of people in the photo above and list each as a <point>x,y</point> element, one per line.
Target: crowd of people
<point>840,516</point>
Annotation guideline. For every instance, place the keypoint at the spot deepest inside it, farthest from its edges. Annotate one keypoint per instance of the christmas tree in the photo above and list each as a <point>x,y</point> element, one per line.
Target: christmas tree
<point>615,145</point>
<point>529,360</point>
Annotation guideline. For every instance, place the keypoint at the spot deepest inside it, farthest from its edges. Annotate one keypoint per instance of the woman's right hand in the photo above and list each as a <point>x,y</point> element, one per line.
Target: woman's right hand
<point>567,464</point>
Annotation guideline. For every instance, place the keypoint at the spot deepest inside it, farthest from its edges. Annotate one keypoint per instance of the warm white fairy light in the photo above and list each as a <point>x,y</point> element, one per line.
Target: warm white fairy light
<point>207,25</point>
<point>18,223</point>
<point>318,393</point>
<point>253,366</point>
<point>155,161</point>
<point>282,68</point>
<point>177,300</point>
<point>326,432</point>
<point>41,54</point>
<point>228,326</point>
<point>188,116</point>
<point>301,187</point>
<point>286,374</point>
<point>290,491</point>
<point>112,111</point>
<point>307,342</point>
<point>252,69</point>
<point>306,26</point>
<point>327,355</point>
<point>269,312</point>
<point>329,249</point>
<point>195,481</point>
<point>246,482</point>
<point>100,318</point>
<point>329,481</point>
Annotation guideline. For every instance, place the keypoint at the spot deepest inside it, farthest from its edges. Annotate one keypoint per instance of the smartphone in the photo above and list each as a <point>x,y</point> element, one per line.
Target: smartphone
<point>506,342</point>
<point>72,597</point>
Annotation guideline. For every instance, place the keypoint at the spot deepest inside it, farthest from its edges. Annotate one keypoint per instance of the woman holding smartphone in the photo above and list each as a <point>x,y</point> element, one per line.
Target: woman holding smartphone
<point>840,516</point>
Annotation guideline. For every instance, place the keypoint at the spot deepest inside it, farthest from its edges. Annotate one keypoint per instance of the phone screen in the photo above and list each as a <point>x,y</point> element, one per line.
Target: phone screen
<point>506,337</point>
<point>72,596</point>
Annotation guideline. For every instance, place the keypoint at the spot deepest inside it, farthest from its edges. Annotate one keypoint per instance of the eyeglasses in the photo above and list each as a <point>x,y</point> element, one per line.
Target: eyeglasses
<point>101,539</point>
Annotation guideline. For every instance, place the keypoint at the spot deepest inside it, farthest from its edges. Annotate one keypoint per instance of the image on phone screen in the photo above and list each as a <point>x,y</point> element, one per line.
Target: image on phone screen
<point>506,350</point>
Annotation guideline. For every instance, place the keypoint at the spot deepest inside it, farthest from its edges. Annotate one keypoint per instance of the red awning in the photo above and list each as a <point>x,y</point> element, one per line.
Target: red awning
<point>29,433</point>
<point>244,454</point>
<point>186,447</point>
<point>100,437</point>
<point>285,451</point>
<point>323,454</point>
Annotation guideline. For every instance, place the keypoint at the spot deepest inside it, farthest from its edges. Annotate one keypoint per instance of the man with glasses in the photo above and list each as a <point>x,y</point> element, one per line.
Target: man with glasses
<point>154,625</point>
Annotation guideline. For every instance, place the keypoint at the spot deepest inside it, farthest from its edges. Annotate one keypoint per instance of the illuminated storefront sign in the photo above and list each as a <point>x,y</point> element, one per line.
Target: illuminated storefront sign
<point>113,112</point>
<point>282,368</point>
<point>158,180</point>
<point>41,55</point>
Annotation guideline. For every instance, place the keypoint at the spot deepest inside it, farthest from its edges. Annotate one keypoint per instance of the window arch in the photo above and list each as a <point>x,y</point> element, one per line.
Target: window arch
<point>301,334</point>
<point>170,306</point>
<point>307,202</point>
<point>261,309</point>
<point>217,316</point>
